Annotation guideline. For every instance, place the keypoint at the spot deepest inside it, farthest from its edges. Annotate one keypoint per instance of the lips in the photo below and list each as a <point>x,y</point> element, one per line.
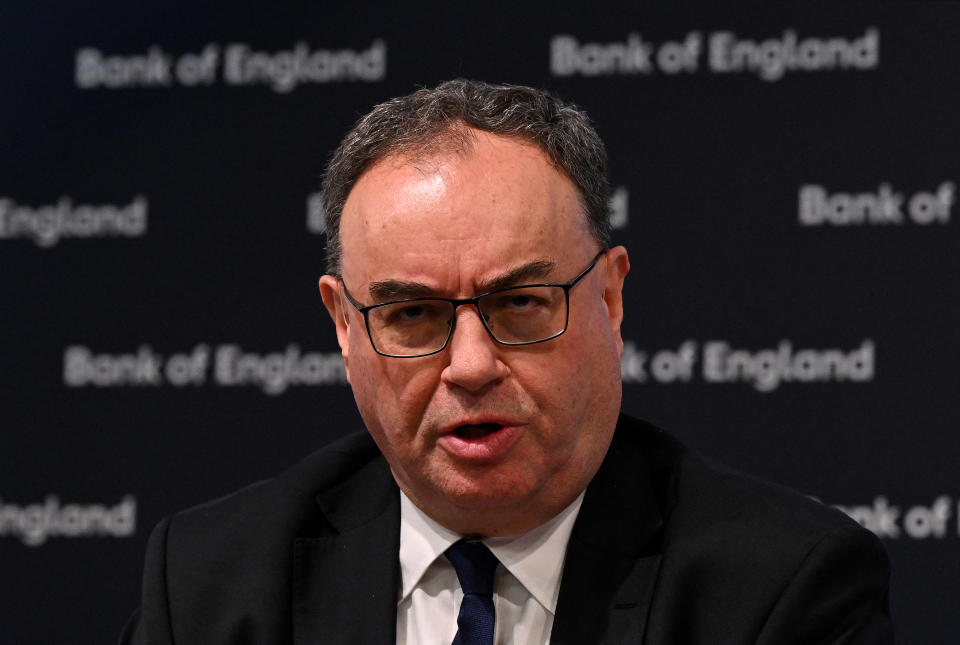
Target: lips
<point>481,441</point>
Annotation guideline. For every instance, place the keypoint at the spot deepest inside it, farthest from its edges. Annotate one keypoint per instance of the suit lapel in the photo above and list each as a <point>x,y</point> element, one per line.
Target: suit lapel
<point>345,583</point>
<point>613,556</point>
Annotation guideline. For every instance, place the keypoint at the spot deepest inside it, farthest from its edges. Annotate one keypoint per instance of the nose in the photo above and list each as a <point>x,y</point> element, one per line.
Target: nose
<point>474,356</point>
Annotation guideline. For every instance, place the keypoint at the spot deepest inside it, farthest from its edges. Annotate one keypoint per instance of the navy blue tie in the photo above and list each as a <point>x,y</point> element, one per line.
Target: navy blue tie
<point>475,566</point>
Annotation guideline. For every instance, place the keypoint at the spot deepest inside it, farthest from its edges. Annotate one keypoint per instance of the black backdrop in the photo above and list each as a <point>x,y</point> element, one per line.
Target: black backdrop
<point>784,181</point>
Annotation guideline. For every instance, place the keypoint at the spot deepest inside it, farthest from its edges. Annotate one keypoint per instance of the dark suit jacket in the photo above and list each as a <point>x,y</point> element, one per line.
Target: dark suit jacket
<point>668,548</point>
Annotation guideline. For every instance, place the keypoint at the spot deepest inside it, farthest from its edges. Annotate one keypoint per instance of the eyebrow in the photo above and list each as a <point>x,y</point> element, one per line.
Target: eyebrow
<point>517,276</point>
<point>385,290</point>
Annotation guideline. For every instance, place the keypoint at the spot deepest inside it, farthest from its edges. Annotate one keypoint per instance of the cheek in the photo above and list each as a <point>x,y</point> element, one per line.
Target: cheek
<point>392,394</point>
<point>589,371</point>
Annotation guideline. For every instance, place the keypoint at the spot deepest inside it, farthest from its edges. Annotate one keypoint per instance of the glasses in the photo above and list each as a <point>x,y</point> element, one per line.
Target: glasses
<point>521,315</point>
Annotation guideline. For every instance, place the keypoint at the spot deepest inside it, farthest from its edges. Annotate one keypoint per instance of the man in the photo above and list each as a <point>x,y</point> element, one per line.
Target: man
<point>477,303</point>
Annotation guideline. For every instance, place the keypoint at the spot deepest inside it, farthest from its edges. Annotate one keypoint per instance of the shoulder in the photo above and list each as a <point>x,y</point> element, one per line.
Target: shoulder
<point>250,532</point>
<point>224,568</point>
<point>759,555</point>
<point>284,505</point>
<point>699,497</point>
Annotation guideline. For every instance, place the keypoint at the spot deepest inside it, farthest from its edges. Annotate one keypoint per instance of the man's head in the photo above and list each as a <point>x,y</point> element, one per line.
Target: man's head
<point>486,438</point>
<point>432,120</point>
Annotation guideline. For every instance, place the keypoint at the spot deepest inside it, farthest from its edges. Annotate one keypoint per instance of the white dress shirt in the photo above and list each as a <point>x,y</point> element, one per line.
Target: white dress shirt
<point>526,586</point>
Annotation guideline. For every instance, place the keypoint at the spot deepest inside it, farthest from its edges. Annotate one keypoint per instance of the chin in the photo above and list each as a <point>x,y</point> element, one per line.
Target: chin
<point>483,494</point>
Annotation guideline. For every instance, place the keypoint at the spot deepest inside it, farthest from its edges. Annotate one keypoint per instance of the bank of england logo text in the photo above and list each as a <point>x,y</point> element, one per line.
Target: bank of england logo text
<point>719,52</point>
<point>766,369</point>
<point>233,64</point>
<point>224,365</point>
<point>892,521</point>
<point>35,523</point>
<point>48,224</point>
<point>885,206</point>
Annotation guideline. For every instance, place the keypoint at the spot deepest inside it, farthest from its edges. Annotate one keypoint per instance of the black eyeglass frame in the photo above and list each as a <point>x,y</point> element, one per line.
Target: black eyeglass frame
<point>475,301</point>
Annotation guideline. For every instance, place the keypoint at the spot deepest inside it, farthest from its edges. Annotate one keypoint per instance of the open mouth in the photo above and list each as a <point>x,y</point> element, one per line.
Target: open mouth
<point>480,443</point>
<point>477,431</point>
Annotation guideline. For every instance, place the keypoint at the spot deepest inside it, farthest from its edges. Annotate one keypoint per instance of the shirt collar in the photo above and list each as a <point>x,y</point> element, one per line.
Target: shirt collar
<point>421,542</point>
<point>534,558</point>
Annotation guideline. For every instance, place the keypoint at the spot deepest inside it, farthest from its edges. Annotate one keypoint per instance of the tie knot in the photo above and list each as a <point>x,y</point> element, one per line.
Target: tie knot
<point>475,566</point>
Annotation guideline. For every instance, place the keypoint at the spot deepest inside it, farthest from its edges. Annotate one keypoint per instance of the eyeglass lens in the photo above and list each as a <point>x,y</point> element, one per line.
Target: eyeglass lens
<point>514,316</point>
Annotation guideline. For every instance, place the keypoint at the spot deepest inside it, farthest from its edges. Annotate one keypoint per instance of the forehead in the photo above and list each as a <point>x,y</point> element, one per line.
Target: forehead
<point>460,214</point>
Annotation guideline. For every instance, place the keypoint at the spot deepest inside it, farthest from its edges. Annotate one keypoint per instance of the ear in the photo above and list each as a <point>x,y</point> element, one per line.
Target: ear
<point>616,267</point>
<point>334,301</point>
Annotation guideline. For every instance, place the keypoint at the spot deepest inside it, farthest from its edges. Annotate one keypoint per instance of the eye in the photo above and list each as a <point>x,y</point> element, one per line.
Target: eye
<point>414,313</point>
<point>410,313</point>
<point>519,301</point>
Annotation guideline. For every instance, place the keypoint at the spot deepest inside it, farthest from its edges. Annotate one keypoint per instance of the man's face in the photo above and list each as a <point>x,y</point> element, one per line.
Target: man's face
<point>485,438</point>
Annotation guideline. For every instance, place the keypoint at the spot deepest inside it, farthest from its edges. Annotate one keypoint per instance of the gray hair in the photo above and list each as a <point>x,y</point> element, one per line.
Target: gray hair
<point>431,120</point>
